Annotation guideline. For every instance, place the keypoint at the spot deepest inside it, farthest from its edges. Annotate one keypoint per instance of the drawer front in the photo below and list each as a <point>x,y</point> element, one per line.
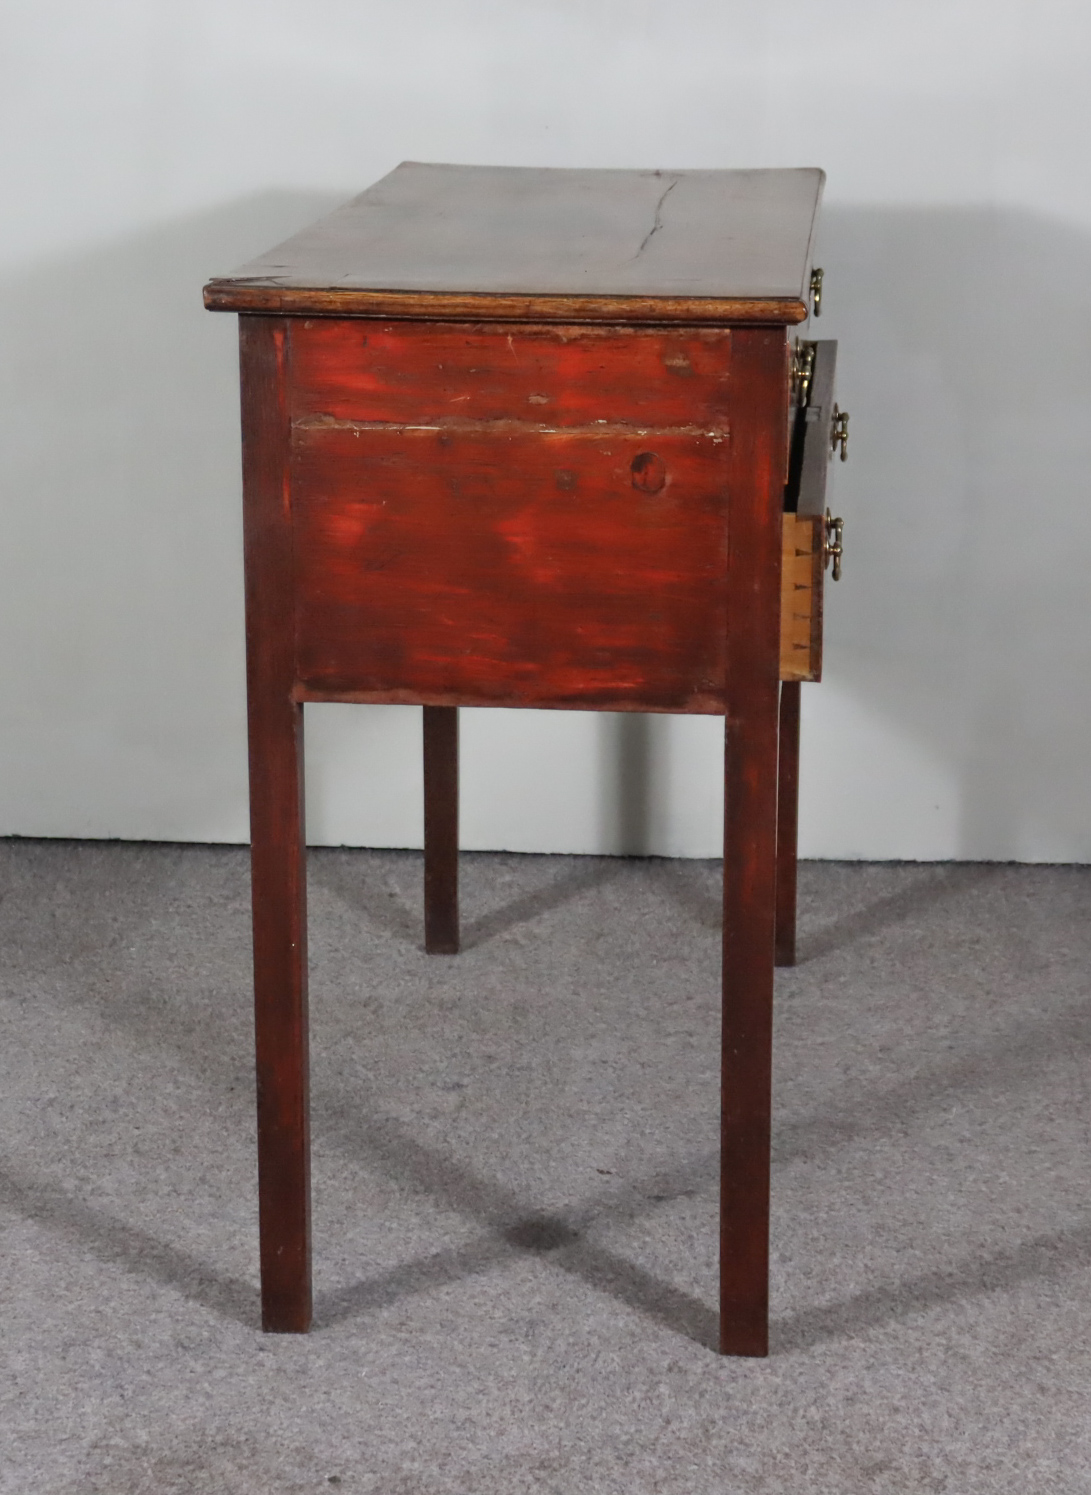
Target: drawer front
<point>495,562</point>
<point>425,374</point>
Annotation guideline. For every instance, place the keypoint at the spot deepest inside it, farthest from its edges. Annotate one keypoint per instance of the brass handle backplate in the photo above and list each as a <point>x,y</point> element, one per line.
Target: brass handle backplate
<point>832,545</point>
<point>839,433</point>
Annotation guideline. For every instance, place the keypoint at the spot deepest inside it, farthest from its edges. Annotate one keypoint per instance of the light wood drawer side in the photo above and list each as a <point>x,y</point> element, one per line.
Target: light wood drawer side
<point>801,598</point>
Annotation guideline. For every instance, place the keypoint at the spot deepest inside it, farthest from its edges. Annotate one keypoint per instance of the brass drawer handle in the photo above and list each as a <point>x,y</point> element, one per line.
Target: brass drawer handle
<point>816,291</point>
<point>802,371</point>
<point>839,433</point>
<point>832,545</point>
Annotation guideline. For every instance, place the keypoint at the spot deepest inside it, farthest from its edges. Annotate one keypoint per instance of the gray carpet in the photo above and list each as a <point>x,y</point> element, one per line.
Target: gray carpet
<point>514,1181</point>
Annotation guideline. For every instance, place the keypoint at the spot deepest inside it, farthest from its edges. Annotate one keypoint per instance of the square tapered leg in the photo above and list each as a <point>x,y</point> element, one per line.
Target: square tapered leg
<point>787,822</point>
<point>749,892</point>
<point>750,846</point>
<point>278,876</point>
<point>441,830</point>
<point>277,840</point>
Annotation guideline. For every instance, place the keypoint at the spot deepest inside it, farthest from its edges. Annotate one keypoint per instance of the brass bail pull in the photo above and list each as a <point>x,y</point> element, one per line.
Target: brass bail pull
<point>832,545</point>
<point>839,433</point>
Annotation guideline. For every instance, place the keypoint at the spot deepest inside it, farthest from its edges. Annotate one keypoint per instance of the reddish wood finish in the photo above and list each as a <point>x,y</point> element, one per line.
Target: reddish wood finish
<point>787,822</point>
<point>529,538</point>
<point>556,479</point>
<point>424,375</point>
<point>471,566</point>
<point>441,830</point>
<point>507,513</point>
<point>278,852</point>
<point>491,559</point>
<point>756,486</point>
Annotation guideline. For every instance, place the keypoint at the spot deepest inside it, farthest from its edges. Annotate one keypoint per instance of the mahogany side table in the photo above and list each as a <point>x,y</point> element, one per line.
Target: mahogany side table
<point>522,437</point>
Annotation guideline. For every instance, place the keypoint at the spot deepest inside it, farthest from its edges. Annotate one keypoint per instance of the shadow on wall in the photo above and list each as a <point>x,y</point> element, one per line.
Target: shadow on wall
<point>962,615</point>
<point>120,571</point>
<point>960,621</point>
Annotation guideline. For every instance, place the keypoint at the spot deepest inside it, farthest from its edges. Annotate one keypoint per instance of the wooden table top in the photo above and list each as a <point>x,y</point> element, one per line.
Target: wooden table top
<point>552,244</point>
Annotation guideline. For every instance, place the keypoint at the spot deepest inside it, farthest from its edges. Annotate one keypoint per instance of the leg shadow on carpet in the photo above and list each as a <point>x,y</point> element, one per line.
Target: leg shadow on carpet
<point>127,1246</point>
<point>351,879</point>
<point>541,901</point>
<point>1046,1256</point>
<point>687,883</point>
<point>895,908</point>
<point>513,1231</point>
<point>1010,1058</point>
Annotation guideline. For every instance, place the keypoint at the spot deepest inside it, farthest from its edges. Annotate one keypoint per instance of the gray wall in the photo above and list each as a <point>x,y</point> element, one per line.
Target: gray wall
<point>150,145</point>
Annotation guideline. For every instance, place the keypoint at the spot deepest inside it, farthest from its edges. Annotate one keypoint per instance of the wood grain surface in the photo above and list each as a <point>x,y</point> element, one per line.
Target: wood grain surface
<point>801,594</point>
<point>447,306</point>
<point>554,243</point>
<point>574,568</point>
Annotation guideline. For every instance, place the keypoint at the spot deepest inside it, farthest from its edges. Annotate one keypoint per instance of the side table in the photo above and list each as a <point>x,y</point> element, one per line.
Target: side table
<point>531,437</point>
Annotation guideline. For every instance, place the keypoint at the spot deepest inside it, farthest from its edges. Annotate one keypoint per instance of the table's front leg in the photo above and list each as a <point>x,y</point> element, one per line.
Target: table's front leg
<point>277,842</point>
<point>759,427</point>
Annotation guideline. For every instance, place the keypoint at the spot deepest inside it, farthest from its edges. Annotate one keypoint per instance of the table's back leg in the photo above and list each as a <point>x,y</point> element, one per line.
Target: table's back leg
<point>759,434</point>
<point>441,830</point>
<point>787,822</point>
<point>277,841</point>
